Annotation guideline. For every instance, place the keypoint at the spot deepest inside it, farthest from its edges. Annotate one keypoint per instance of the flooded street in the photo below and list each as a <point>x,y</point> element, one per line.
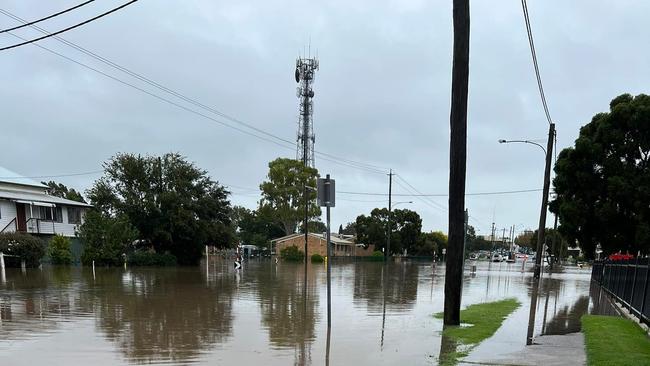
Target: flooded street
<point>265,313</point>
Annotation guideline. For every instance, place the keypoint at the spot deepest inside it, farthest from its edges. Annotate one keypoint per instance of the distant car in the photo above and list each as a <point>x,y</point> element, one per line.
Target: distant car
<point>496,257</point>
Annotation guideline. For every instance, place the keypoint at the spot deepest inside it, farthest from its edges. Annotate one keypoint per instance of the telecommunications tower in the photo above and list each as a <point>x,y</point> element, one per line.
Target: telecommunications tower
<point>305,70</point>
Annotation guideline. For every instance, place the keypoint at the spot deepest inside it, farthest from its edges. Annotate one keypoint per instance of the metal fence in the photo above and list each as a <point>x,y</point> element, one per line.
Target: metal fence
<point>628,281</point>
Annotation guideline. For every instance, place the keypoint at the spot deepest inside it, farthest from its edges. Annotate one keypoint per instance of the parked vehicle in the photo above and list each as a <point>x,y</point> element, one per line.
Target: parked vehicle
<point>496,257</point>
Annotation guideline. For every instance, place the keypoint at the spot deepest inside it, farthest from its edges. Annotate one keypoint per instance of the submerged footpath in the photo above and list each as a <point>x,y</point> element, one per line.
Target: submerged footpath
<point>625,343</point>
<point>550,350</point>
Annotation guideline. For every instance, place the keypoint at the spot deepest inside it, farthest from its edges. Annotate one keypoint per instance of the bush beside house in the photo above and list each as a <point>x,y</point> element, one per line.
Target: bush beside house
<point>24,246</point>
<point>317,258</point>
<point>59,250</point>
<point>292,254</point>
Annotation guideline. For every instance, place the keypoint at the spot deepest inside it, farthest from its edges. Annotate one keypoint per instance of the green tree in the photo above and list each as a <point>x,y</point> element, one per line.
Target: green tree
<point>106,238</point>
<point>283,193</point>
<point>59,250</point>
<point>349,229</point>
<point>174,205</point>
<point>254,227</point>
<point>406,227</point>
<point>549,235</point>
<point>430,243</point>
<point>60,190</point>
<point>315,226</point>
<point>527,239</point>
<point>602,184</point>
<point>474,242</point>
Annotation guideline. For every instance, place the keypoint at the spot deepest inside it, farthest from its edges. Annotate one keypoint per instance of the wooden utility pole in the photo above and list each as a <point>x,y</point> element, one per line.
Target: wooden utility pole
<point>390,221</point>
<point>542,214</point>
<point>457,163</point>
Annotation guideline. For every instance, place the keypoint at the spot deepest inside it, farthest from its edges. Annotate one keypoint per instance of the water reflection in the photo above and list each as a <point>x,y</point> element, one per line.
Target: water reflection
<point>287,314</point>
<point>399,294</point>
<point>161,314</point>
<point>263,314</point>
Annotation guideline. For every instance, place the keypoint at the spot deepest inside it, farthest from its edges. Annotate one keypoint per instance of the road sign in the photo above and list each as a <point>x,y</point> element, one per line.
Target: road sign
<point>326,192</point>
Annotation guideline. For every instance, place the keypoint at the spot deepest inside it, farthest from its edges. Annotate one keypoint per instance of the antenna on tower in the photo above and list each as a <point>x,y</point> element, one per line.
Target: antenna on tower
<point>305,70</point>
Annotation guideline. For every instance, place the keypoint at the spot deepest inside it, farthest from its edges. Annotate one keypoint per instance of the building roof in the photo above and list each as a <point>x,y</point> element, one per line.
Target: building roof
<point>39,198</point>
<point>8,176</point>
<point>334,238</point>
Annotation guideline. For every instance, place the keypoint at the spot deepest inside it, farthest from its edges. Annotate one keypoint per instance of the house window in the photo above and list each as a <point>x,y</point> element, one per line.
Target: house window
<point>74,215</point>
<point>47,212</point>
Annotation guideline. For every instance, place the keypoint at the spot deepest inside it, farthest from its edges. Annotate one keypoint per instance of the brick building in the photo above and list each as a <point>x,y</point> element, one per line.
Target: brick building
<point>342,245</point>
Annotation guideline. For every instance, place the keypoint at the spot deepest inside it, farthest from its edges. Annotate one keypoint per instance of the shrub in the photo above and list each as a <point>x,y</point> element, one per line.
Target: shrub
<point>142,258</point>
<point>377,256</point>
<point>292,254</point>
<point>317,258</point>
<point>106,238</point>
<point>26,247</point>
<point>59,250</point>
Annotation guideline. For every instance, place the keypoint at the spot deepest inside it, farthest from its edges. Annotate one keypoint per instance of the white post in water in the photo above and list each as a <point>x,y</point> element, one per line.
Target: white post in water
<point>93,270</point>
<point>23,266</point>
<point>3,275</point>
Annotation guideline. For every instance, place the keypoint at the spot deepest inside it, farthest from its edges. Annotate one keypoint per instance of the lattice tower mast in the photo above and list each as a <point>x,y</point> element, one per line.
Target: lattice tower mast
<point>305,70</point>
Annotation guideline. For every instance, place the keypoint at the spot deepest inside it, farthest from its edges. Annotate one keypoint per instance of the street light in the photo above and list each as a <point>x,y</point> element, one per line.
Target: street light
<point>390,227</point>
<point>502,141</point>
<point>397,203</point>
<point>547,174</point>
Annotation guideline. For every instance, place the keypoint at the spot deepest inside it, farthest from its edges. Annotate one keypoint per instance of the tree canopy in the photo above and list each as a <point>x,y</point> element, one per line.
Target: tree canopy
<point>60,190</point>
<point>283,193</point>
<point>406,227</point>
<point>174,206</point>
<point>603,182</point>
<point>254,227</point>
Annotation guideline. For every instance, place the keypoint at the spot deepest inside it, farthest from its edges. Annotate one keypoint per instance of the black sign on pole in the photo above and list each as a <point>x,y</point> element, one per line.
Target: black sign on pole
<point>326,192</point>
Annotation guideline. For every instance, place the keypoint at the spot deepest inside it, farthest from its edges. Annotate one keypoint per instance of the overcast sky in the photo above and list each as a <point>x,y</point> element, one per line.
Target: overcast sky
<point>381,96</point>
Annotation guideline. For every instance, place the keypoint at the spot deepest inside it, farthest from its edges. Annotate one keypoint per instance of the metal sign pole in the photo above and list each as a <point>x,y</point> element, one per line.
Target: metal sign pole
<point>326,198</point>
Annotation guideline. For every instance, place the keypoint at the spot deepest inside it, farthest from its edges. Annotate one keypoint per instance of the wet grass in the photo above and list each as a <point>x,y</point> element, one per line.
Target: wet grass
<point>479,322</point>
<point>614,341</point>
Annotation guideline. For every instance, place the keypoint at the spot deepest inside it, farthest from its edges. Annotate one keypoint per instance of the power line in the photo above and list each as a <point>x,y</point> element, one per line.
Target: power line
<point>534,56</point>
<point>55,176</point>
<point>327,157</point>
<point>69,28</point>
<point>47,17</point>
<point>441,194</point>
<point>431,202</point>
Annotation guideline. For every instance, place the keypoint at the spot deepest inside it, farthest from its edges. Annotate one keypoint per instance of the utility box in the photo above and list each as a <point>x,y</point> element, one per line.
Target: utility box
<point>326,196</point>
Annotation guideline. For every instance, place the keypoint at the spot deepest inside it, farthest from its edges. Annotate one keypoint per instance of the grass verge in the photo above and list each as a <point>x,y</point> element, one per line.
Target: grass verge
<point>480,321</point>
<point>614,341</point>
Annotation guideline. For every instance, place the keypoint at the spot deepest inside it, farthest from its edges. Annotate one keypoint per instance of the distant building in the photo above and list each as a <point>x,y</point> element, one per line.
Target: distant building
<point>342,245</point>
<point>25,206</point>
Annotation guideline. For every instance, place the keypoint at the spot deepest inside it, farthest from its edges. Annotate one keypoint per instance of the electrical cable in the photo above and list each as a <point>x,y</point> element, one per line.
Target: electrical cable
<point>27,24</point>
<point>69,28</point>
<point>533,53</point>
<point>442,194</point>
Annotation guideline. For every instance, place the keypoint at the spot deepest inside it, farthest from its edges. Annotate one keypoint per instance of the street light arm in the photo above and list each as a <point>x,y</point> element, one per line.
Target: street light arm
<point>523,142</point>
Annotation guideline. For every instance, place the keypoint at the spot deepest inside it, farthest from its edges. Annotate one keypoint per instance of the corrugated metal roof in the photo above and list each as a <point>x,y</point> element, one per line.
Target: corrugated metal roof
<point>9,176</point>
<point>25,196</point>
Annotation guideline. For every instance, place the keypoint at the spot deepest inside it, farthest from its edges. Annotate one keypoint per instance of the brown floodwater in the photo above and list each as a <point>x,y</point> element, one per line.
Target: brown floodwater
<point>265,313</point>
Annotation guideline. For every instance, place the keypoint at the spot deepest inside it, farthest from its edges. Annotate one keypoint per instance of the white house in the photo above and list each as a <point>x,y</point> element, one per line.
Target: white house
<point>26,206</point>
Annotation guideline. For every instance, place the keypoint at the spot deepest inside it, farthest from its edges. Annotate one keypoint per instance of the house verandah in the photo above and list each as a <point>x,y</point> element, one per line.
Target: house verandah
<point>26,206</point>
